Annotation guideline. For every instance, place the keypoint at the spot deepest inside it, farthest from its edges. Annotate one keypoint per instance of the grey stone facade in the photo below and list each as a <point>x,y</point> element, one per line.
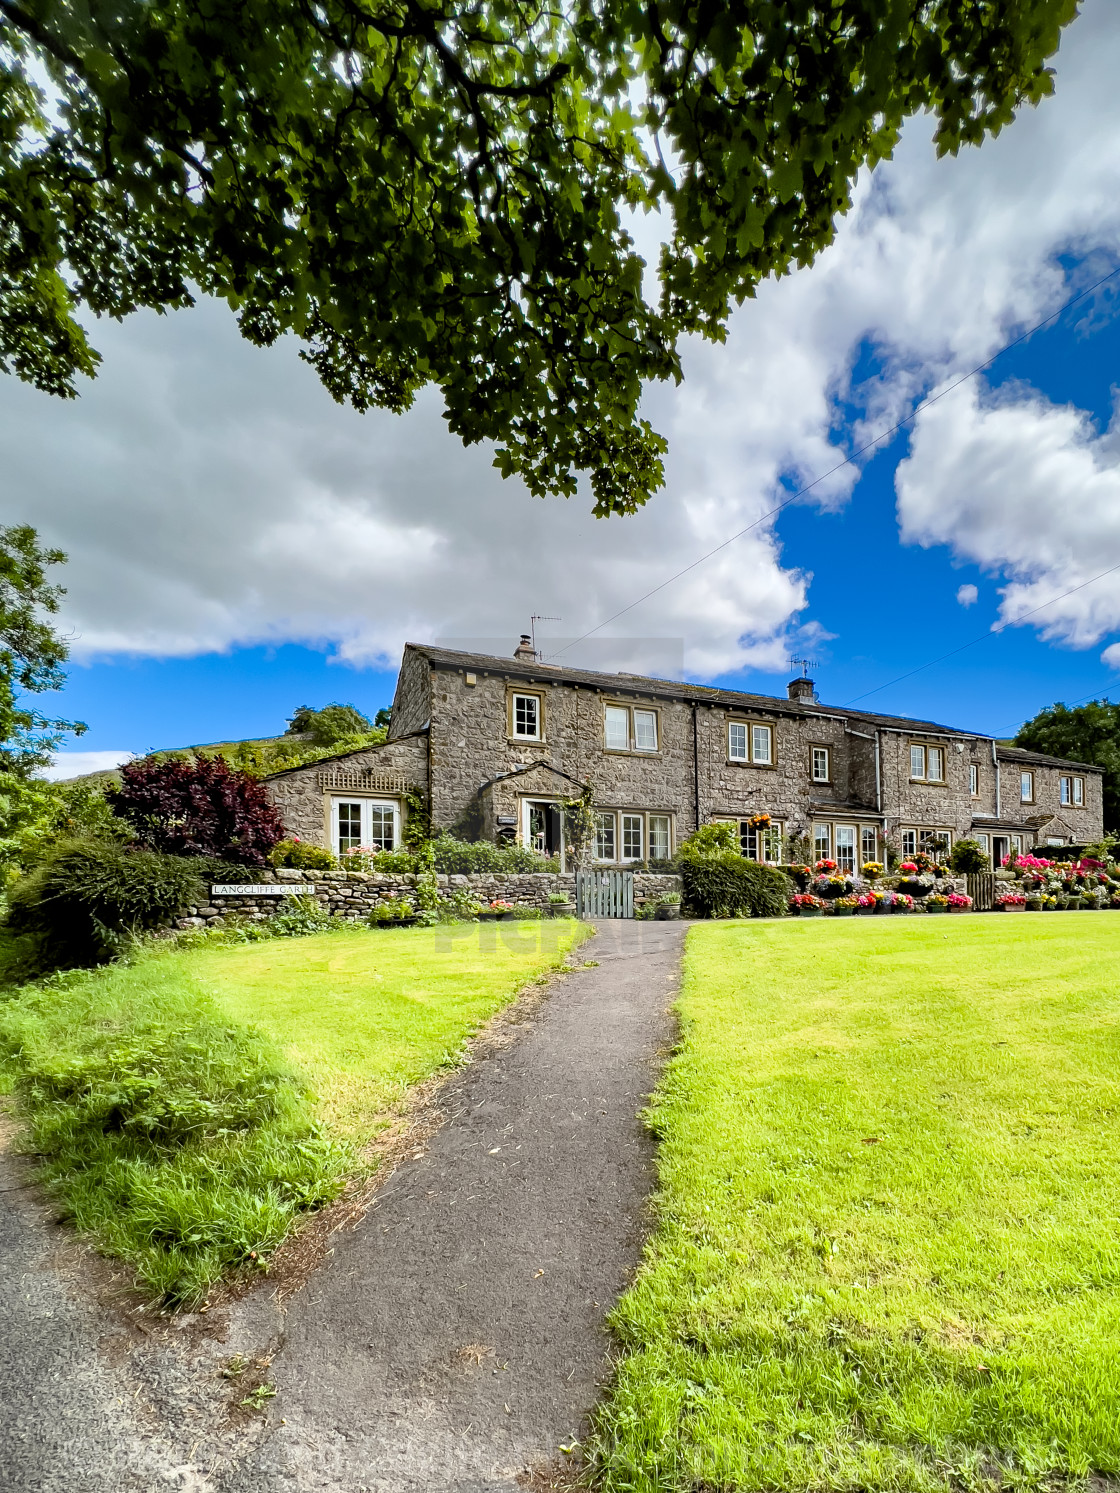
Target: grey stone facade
<point>466,732</point>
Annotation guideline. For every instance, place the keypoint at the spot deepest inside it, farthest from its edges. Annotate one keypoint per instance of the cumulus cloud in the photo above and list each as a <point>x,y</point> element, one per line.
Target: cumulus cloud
<point>1030,491</point>
<point>211,495</point>
<point>74,764</point>
<point>967,595</point>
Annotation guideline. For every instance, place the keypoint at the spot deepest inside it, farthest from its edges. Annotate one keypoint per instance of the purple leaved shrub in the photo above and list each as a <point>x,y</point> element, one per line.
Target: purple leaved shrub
<point>198,806</point>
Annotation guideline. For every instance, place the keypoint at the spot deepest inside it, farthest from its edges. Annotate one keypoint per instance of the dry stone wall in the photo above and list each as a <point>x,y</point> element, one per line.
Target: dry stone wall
<point>354,894</point>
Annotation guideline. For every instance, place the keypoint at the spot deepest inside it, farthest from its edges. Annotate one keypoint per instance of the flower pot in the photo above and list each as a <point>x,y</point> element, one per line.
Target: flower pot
<point>809,912</point>
<point>1034,906</point>
<point>666,914</point>
<point>561,909</point>
<point>843,912</point>
<point>959,909</point>
<point>398,923</point>
<point>487,916</point>
<point>1010,907</point>
<point>935,907</point>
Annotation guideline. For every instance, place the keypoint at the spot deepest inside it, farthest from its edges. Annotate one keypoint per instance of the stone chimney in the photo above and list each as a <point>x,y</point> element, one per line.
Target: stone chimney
<point>802,689</point>
<point>525,650</point>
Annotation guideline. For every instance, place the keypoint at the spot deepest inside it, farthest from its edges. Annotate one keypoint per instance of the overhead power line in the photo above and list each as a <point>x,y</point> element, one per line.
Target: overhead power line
<point>993,632</point>
<point>849,460</point>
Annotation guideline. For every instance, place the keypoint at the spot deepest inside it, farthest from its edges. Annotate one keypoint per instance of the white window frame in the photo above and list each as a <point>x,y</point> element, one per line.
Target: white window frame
<point>766,733</point>
<point>983,841</point>
<point>1026,778</point>
<point>625,717</point>
<point>667,820</point>
<point>652,716</point>
<point>1072,792</point>
<point>850,868</point>
<point>606,819</point>
<point>917,755</point>
<point>538,712</point>
<point>822,835</point>
<point>910,835</point>
<point>865,831</point>
<point>367,806</point>
<point>763,844</point>
<point>1079,793</point>
<point>821,758</point>
<point>974,779</point>
<point>627,825</point>
<point>737,737</point>
<point>939,753</point>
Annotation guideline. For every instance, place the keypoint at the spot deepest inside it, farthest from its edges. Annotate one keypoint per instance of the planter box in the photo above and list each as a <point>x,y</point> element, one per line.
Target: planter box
<point>397,923</point>
<point>809,912</point>
<point>960,909</point>
<point>1010,907</point>
<point>843,912</point>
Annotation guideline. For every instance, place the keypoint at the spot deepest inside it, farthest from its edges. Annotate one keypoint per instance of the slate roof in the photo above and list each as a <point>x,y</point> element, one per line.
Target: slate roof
<point>668,689</point>
<point>1040,759</point>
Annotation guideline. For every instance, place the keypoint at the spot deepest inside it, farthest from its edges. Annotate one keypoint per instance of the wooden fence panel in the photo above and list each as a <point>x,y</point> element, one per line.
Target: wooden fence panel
<point>982,890</point>
<point>605,894</point>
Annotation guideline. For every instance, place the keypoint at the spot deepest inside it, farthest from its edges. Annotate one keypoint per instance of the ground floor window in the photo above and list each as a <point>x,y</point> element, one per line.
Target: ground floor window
<point>364,824</point>
<point>934,842</point>
<point>632,835</point>
<point>850,845</point>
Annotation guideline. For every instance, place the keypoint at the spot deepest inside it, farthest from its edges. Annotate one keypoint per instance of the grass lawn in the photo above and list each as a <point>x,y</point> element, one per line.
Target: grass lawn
<point>887,1254</point>
<point>189,1106</point>
<point>364,1016</point>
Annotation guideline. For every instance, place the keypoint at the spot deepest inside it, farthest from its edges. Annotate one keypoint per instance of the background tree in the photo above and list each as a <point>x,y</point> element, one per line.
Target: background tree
<point>31,659</point>
<point>439,191</point>
<point>197,806</point>
<point>330,725</point>
<point>1083,733</point>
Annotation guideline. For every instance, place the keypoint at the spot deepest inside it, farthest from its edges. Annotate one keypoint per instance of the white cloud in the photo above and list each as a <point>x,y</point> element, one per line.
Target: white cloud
<point>967,595</point>
<point>75,764</point>
<point>210,494</point>
<point>1028,490</point>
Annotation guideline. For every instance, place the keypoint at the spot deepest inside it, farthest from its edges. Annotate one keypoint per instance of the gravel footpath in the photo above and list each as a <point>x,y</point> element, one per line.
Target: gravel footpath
<point>454,1340</point>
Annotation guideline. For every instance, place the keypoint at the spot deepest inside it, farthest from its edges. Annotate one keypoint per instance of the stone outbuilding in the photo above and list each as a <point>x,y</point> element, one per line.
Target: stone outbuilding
<point>493,747</point>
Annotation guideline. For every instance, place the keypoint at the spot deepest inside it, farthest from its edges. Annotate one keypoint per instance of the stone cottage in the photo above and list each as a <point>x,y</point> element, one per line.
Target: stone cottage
<point>493,746</point>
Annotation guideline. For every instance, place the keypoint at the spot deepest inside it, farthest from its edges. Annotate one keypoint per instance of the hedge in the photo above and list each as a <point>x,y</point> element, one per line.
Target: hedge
<point>727,885</point>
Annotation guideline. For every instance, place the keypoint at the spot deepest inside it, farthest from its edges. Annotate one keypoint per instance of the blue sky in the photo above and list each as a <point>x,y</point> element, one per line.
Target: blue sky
<point>239,545</point>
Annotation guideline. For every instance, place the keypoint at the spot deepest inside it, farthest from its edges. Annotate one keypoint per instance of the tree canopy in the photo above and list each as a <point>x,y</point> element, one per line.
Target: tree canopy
<point>440,191</point>
<point>1083,733</point>
<point>330,724</point>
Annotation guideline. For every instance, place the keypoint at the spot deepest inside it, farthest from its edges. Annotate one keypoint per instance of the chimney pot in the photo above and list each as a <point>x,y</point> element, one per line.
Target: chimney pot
<point>525,650</point>
<point>801,689</point>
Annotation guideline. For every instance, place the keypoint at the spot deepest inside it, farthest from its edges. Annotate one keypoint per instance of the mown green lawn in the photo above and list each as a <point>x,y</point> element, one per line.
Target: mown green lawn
<point>188,1107</point>
<point>888,1250</point>
<point>366,1015</point>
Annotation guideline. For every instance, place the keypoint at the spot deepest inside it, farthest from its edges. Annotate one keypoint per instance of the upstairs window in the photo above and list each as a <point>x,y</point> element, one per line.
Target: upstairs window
<point>527,717</point>
<point>821,773</point>
<point>1073,791</point>
<point>629,730</point>
<point>616,728</point>
<point>645,730</point>
<point>927,763</point>
<point>974,779</point>
<point>751,743</point>
<point>1026,787</point>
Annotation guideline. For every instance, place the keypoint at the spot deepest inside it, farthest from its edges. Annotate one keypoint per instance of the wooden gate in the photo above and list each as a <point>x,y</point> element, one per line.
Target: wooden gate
<point>605,894</point>
<point>982,890</point>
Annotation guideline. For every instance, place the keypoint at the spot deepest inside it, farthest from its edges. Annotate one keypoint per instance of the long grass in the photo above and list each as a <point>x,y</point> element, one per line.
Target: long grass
<point>186,1109</point>
<point>887,1253</point>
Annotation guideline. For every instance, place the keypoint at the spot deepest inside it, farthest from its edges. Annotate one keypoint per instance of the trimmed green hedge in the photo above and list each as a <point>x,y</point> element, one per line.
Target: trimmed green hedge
<point>726,885</point>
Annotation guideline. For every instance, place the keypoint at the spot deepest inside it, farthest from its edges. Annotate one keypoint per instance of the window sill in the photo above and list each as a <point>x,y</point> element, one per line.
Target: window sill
<point>630,752</point>
<point>527,740</point>
<point>930,782</point>
<point>760,766</point>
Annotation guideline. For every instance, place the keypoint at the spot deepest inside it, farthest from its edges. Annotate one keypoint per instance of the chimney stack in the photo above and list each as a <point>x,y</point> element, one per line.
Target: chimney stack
<point>802,689</point>
<point>525,650</point>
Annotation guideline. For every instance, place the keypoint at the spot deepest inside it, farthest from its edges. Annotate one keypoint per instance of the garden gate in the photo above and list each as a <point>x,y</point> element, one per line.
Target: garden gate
<point>982,890</point>
<point>605,894</point>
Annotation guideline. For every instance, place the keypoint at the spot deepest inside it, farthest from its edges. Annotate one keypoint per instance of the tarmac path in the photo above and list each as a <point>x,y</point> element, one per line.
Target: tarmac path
<point>454,1341</point>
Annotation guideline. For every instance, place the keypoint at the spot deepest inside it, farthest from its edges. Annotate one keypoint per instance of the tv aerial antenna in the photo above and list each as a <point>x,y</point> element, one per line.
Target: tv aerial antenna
<point>534,619</point>
<point>802,665</point>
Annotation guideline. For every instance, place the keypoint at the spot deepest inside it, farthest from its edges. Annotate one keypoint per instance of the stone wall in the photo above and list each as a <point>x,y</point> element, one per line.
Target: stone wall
<point>354,894</point>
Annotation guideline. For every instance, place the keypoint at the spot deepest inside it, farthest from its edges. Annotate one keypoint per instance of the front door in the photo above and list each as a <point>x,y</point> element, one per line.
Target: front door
<point>544,828</point>
<point>1001,849</point>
